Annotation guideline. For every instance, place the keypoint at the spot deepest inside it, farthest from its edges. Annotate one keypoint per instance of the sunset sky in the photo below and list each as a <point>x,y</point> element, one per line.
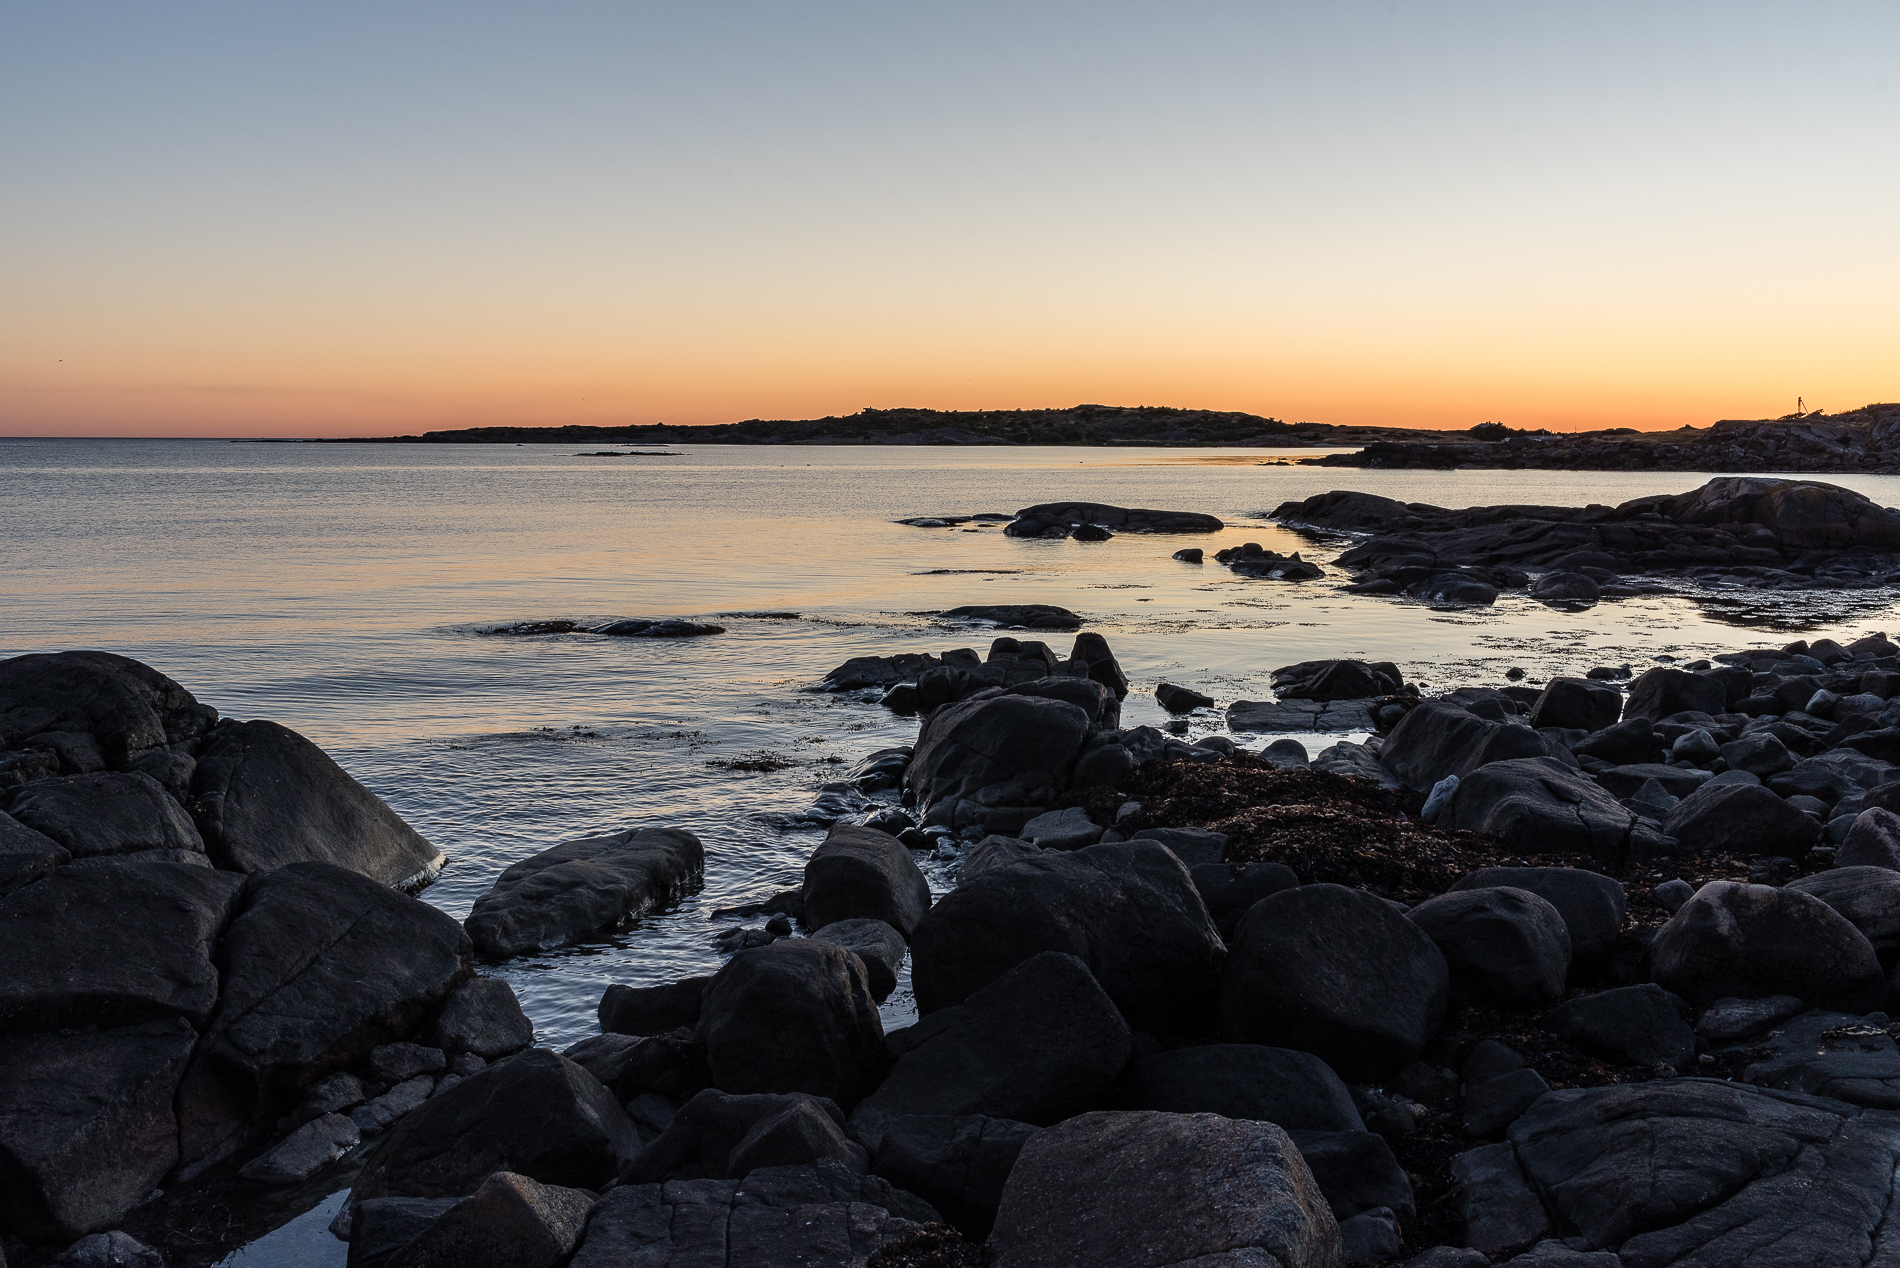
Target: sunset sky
<point>360,219</point>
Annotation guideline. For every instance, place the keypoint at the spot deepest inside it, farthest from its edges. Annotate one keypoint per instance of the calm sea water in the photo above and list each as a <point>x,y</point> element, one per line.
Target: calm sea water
<point>339,589</point>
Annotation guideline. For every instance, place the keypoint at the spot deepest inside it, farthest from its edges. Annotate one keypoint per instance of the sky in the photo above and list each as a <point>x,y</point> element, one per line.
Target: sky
<point>336,219</point>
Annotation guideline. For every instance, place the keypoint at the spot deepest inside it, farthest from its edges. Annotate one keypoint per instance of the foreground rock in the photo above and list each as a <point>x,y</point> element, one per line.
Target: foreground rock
<point>996,763</point>
<point>863,874</point>
<point>795,1016</point>
<point>957,1163</point>
<point>583,887</point>
<point>1186,1188</point>
<point>1736,940</point>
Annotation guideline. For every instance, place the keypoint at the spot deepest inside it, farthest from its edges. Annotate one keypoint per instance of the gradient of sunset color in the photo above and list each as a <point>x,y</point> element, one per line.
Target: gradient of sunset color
<point>358,219</point>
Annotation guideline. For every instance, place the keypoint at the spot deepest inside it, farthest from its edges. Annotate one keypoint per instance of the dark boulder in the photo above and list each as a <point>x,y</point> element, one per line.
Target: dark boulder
<point>995,763</point>
<point>671,627</point>
<point>864,874</point>
<point>1658,693</point>
<point>115,812</point>
<point>1761,754</point>
<point>1625,744</point>
<point>1873,841</point>
<point>1869,897</point>
<point>511,1221</point>
<point>1119,518</point>
<point>583,887</point>
<point>1357,1172</point>
<point>1740,819</point>
<point>482,1016</point>
<point>1565,589</point>
<point>1336,680</point>
<point>1128,910</point>
<point>1577,702</point>
<point>880,947</point>
<point>1092,698</point>
<point>1090,657</point>
<point>128,709</point>
<point>957,1163</point>
<point>1592,905</point>
<point>717,1136</point>
<point>1503,945</point>
<point>1453,587</point>
<point>264,796</point>
<point>1438,738</point>
<point>1297,1090</point>
<point>795,1016</point>
<point>1037,1045</point>
<point>1538,804</point>
<point>1181,699</point>
<point>1749,941</point>
<point>1230,891</point>
<point>1336,972</point>
<point>1185,1188</point>
<point>537,1114</point>
<point>1021,616</point>
<point>993,852</point>
<point>652,1010</point>
<point>1631,1025</point>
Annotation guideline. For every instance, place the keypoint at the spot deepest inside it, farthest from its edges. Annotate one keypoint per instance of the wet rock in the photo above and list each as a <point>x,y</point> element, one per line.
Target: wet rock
<point>1873,841</point>
<point>1336,972</point>
<point>1069,829</point>
<point>1297,1090</point>
<point>1592,905</point>
<point>1209,1187</point>
<point>720,1137</point>
<point>1037,1045</point>
<point>795,1016</point>
<point>1454,587</point>
<point>995,763</point>
<point>877,945</point>
<point>128,709</point>
<point>340,1091</point>
<point>861,873</point>
<point>1287,754</point>
<point>483,1016</point>
<point>87,1126</point>
<point>1127,910</point>
<point>1505,945</point>
<point>671,627</point>
<point>511,1221</point>
<point>583,887</point>
<point>1121,519</point>
<point>1266,717</point>
<point>109,813</point>
<point>1577,702</point>
<point>993,852</point>
<point>265,796</point>
<point>1191,555</point>
<point>1740,819</point>
<point>1630,1025</point>
<point>1565,588</point>
<point>1181,699</point>
<point>1729,1019</point>
<point>109,1250</point>
<point>304,1152</point>
<point>537,1114</point>
<point>1742,940</point>
<point>652,1010</point>
<point>958,1164</point>
<point>376,1114</point>
<point>1336,680</point>
<point>1657,693</point>
<point>1021,616</point>
<point>1539,804</point>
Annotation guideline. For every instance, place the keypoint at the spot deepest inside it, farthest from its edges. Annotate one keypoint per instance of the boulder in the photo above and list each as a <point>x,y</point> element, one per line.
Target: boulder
<point>1625,744</point>
<point>323,965</point>
<point>1631,1025</point>
<point>1565,588</point>
<point>1268,717</point>
<point>1297,1090</point>
<point>304,1152</point>
<point>1336,972</point>
<point>1128,910</point>
<point>1037,1045</point>
<point>264,796</point>
<point>87,1127</point>
<point>583,887</point>
<point>1092,698</point>
<point>1630,781</point>
<point>537,1114</point>
<point>1500,1210</point>
<point>995,763</point>
<point>1181,699</point>
<point>1185,1188</point>
<point>1069,829</point>
<point>1091,653</point>
<point>1504,945</point>
<point>1537,804</point>
<point>795,1016</point>
<point>1761,754</point>
<point>720,1137</point>
<point>877,945</point>
<point>1027,616</point>
<point>483,1016</point>
<point>992,852</point>
<point>1873,841</point>
<point>1230,891</point>
<point>128,709</point>
<point>1592,905</point>
<point>861,873</point>
<point>511,1221</point>
<point>113,812</point>
<point>1336,680</point>
<point>1740,819</point>
<point>1119,518</point>
<point>957,1163</point>
<point>1577,702</point>
<point>1657,693</point>
<point>1357,1172</point>
<point>1869,897</point>
<point>1453,587</point>
<point>112,946</point>
<point>652,1010</point>
<point>1439,738</point>
<point>1749,941</point>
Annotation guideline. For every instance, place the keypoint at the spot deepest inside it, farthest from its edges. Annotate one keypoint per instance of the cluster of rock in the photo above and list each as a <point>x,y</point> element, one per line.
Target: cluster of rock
<point>624,627</point>
<point>1251,559</point>
<point>204,945</point>
<point>1750,531</point>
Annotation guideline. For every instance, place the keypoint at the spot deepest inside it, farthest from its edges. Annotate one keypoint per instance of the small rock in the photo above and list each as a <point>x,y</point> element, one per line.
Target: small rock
<point>1730,1019</point>
<point>110,1250</point>
<point>304,1152</point>
<point>1181,699</point>
<point>1500,1210</point>
<point>392,1105</point>
<point>1496,1103</point>
<point>1631,1025</point>
<point>394,1062</point>
<point>1370,1238</point>
<point>484,1018</point>
<point>1671,895</point>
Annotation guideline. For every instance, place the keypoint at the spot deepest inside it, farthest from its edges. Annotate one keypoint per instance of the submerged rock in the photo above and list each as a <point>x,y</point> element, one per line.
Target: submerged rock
<point>583,887</point>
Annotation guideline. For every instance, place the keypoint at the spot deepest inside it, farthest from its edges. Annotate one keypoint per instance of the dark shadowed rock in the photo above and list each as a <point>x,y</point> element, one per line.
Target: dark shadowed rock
<point>795,1016</point>
<point>1186,1188</point>
<point>1625,744</point>
<point>115,812</point>
<point>880,947</point>
<point>127,708</point>
<point>1439,738</point>
<point>1873,841</point>
<point>1750,941</point>
<point>1631,1025</point>
<point>652,1010</point>
<point>1091,653</point>
<point>861,873</point>
<point>1658,693</point>
<point>1760,754</point>
<point>537,1114</point>
<point>265,796</point>
<point>1740,819</point>
<point>1538,804</point>
<point>1181,699</point>
<point>87,1128</point>
<point>1357,1172</point>
<point>482,1016</point>
<point>1040,1043</point>
<point>583,887</point>
<point>1504,945</point>
<point>1024,616</point>
<point>1128,910</point>
<point>1336,680</point>
<point>1577,702</point>
<point>957,1163</point>
<point>322,966</point>
<point>1565,588</point>
<point>1869,897</point>
<point>511,1221</point>
<point>995,763</point>
<point>1297,1090</point>
<point>1336,972</point>
<point>1119,518</point>
<point>995,851</point>
<point>722,1137</point>
<point>1592,905</point>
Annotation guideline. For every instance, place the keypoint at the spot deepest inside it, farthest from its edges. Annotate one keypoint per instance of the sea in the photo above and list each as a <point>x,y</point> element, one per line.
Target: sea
<point>348,591</point>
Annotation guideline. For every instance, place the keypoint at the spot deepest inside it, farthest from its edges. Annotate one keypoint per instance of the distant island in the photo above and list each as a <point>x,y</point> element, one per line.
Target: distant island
<point>1864,440</point>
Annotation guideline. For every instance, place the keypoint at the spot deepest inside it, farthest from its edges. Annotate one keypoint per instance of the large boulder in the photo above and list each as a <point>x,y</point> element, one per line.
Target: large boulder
<point>794,1016</point>
<point>861,873</point>
<point>1802,514</point>
<point>128,709</point>
<point>511,1221</point>
<point>1506,946</point>
<point>108,813</point>
<point>1660,692</point>
<point>1740,819</point>
<point>265,796</point>
<point>1537,804</point>
<point>1631,1025</point>
<point>87,1128</point>
<point>957,1163</point>
<point>995,763</point>
<point>652,1010</point>
<point>878,946</point>
<point>1869,897</point>
<point>537,1114</point>
<point>1751,941</point>
<point>1336,680</point>
<point>482,1016</point>
<point>1438,738</point>
<point>1091,652</point>
<point>1336,972</point>
<point>1592,905</point>
<point>323,965</point>
<point>1297,1090</point>
<point>1121,519</point>
<point>1128,910</point>
<point>1183,1188</point>
<point>1040,1043</point>
<point>1577,702</point>
<point>721,1137</point>
<point>583,887</point>
<point>113,945</point>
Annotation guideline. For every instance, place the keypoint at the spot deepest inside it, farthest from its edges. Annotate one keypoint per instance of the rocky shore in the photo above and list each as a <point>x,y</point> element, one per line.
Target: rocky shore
<point>1577,974</point>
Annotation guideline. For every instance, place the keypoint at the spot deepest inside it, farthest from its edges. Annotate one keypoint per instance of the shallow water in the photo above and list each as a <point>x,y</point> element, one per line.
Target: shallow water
<point>340,590</point>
